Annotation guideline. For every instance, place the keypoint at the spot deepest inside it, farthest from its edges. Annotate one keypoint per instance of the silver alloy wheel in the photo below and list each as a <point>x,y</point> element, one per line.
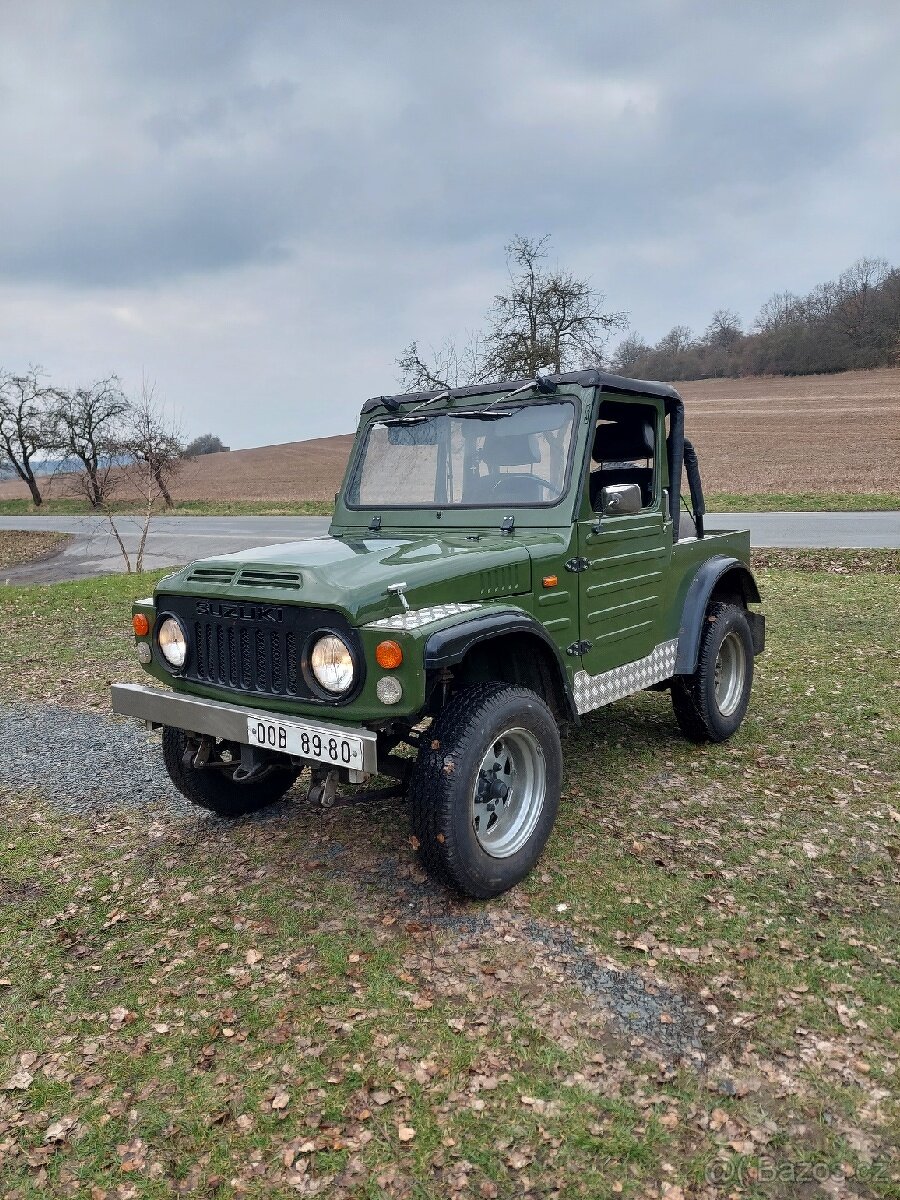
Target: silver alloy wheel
<point>509,793</point>
<point>731,671</point>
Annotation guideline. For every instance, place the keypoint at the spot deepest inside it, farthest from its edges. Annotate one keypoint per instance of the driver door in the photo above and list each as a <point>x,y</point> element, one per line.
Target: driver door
<point>623,559</point>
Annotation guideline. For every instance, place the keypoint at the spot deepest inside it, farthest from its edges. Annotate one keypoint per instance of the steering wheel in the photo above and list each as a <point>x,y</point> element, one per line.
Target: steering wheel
<point>537,479</point>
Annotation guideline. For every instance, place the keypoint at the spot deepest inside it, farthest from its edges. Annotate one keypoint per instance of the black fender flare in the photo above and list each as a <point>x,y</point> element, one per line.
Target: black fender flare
<point>714,571</point>
<point>449,646</point>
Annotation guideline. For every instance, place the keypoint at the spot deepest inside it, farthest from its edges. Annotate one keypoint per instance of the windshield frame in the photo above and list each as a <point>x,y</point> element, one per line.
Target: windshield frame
<point>464,410</point>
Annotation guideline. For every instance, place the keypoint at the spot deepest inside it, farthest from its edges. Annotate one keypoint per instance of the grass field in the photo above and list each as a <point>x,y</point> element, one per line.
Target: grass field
<point>718,502</point>
<point>286,1006</point>
<point>728,502</point>
<point>184,508</point>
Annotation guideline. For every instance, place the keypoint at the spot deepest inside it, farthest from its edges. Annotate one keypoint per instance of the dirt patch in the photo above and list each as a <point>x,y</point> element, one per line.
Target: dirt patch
<point>19,891</point>
<point>26,546</point>
<point>814,433</point>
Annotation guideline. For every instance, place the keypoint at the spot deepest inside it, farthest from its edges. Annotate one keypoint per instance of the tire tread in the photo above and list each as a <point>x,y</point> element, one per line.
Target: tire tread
<point>689,702</point>
<point>432,796</point>
<point>212,791</point>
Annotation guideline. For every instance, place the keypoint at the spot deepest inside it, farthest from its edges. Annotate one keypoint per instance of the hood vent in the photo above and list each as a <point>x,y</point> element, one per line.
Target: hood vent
<point>500,581</point>
<point>212,575</point>
<point>290,580</point>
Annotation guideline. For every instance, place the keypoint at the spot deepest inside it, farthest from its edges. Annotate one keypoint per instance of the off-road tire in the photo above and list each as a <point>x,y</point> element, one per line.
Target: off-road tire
<point>214,789</point>
<point>694,696</point>
<point>444,777</point>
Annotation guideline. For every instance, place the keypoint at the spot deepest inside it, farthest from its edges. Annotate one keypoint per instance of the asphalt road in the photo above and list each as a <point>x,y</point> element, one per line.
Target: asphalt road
<point>176,540</point>
<point>171,542</point>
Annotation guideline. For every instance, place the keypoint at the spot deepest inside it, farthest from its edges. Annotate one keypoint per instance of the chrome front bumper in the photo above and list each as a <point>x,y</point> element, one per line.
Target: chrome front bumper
<point>226,721</point>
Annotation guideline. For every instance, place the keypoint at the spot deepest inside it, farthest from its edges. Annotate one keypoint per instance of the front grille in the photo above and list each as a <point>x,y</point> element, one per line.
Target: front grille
<point>254,660</point>
<point>256,648</point>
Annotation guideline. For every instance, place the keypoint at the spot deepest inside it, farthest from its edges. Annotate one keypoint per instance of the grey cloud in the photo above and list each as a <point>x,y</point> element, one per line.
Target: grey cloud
<point>686,154</point>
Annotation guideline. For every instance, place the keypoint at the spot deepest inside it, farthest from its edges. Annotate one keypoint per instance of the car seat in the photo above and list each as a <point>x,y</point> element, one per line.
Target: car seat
<point>616,446</point>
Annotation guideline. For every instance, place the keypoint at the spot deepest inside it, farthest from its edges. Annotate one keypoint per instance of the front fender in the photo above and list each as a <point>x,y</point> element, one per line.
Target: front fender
<point>722,574</point>
<point>448,647</point>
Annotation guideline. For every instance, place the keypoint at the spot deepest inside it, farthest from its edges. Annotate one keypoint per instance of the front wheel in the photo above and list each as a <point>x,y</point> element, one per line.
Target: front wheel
<point>214,787</point>
<point>484,790</point>
<point>710,704</point>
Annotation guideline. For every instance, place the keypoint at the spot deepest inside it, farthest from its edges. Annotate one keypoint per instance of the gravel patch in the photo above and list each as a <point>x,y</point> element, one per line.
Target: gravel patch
<point>83,762</point>
<point>643,1008</point>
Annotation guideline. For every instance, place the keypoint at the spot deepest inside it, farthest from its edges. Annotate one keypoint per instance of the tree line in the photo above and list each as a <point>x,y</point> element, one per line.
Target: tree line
<point>106,442</point>
<point>547,318</point>
<point>848,323</point>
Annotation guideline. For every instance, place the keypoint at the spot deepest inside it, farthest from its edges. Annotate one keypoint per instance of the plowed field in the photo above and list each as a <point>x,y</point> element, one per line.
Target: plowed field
<point>814,433</point>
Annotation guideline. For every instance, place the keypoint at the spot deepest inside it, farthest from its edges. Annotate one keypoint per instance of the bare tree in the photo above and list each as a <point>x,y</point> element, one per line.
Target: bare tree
<point>151,439</point>
<point>781,309</point>
<point>630,352</point>
<point>546,317</point>
<point>26,424</point>
<point>90,429</point>
<point>678,340</point>
<point>724,330</point>
<point>136,452</point>
<point>140,476</point>
<point>842,324</point>
<point>450,366</point>
<point>856,290</point>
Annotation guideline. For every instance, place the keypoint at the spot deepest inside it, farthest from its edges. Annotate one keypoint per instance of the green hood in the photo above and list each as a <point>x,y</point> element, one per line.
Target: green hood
<point>353,573</point>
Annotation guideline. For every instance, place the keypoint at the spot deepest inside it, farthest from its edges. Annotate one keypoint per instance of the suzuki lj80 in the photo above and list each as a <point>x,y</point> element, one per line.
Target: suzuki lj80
<point>503,559</point>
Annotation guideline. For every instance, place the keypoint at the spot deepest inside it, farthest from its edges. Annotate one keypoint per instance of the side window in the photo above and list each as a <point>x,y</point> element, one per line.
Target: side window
<point>624,450</point>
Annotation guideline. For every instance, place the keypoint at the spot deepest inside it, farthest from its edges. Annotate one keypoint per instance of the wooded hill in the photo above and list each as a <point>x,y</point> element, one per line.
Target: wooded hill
<point>848,323</point>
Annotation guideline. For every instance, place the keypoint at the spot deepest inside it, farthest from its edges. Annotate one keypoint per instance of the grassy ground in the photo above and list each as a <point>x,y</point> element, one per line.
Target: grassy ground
<point>718,502</point>
<point>22,546</point>
<point>184,508</point>
<point>287,1007</point>
<point>723,502</point>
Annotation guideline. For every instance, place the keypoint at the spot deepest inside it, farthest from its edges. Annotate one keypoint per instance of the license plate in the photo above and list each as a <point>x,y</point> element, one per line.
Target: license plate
<point>306,741</point>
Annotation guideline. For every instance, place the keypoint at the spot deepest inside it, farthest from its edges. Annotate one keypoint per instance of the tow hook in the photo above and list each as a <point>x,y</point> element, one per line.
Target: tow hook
<point>323,789</point>
<point>197,757</point>
<point>324,795</point>
<point>251,766</point>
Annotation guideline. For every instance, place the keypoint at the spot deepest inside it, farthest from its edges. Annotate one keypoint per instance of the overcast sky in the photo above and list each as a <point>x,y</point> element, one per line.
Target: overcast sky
<point>258,205</point>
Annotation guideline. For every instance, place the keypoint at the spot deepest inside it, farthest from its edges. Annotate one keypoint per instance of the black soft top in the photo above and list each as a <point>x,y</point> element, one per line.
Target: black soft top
<point>593,378</point>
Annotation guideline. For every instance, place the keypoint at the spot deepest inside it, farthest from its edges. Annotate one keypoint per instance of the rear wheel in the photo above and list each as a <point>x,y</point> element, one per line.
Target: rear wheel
<point>710,704</point>
<point>214,787</point>
<point>484,790</point>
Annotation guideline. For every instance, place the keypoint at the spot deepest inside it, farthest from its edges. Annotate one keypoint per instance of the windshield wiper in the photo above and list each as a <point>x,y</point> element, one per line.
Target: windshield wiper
<point>475,414</point>
<point>410,417</point>
<point>484,414</point>
<point>542,383</point>
<point>433,400</point>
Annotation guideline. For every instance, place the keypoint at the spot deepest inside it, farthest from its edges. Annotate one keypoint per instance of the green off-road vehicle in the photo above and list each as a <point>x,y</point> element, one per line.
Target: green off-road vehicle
<point>503,559</point>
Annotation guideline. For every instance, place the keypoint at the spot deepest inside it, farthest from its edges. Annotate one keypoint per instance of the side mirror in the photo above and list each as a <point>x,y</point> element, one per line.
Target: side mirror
<point>620,499</point>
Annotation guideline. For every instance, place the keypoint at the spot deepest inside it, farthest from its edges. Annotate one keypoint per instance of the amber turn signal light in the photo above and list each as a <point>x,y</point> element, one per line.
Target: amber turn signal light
<point>140,624</point>
<point>550,581</point>
<point>388,655</point>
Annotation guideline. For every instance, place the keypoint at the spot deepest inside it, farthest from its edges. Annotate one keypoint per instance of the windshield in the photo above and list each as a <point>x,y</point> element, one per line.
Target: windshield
<point>497,457</point>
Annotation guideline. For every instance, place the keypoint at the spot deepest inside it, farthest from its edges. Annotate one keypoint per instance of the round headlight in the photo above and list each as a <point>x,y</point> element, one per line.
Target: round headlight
<point>172,642</point>
<point>332,663</point>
